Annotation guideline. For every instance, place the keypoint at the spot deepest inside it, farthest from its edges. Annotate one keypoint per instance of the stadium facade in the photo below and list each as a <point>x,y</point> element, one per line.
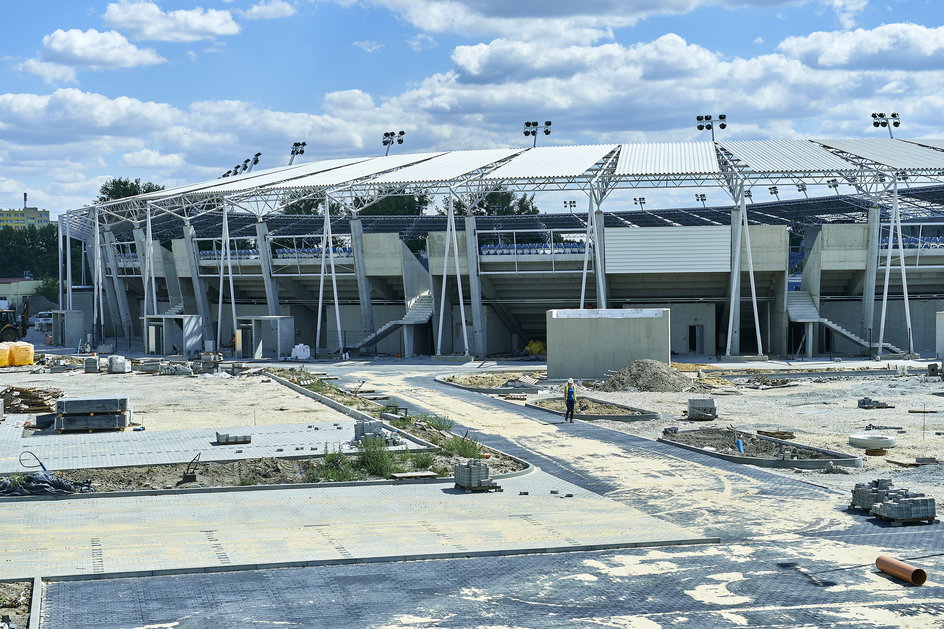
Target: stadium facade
<point>199,265</point>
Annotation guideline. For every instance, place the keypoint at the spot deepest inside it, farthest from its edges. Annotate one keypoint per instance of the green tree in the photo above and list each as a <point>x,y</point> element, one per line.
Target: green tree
<point>397,203</point>
<point>501,202</point>
<point>121,188</point>
<point>49,289</point>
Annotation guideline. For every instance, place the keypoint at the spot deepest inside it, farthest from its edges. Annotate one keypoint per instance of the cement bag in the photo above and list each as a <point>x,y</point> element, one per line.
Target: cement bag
<point>301,352</point>
<point>5,354</point>
<point>21,354</point>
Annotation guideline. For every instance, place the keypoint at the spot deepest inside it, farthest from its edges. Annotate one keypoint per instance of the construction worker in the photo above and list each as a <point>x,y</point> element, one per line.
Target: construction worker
<point>570,399</point>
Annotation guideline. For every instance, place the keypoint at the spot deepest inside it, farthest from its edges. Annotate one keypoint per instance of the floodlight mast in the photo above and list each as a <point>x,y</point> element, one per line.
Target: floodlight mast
<point>298,148</point>
<point>879,119</point>
<point>707,122</point>
<point>392,137</point>
<point>700,196</point>
<point>531,129</point>
<point>641,202</point>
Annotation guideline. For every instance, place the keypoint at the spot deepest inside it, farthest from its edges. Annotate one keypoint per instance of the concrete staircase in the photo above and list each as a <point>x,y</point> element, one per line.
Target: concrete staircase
<point>419,313</point>
<point>176,309</point>
<point>802,309</point>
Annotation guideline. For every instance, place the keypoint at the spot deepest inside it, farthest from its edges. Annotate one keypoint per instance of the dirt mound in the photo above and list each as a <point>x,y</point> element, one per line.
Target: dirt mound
<point>648,375</point>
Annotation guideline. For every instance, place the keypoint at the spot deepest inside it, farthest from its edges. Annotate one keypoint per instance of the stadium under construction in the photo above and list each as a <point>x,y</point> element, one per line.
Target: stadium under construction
<point>234,262</point>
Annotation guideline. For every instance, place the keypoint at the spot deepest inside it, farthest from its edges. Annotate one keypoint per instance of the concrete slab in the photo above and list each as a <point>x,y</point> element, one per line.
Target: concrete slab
<point>201,532</point>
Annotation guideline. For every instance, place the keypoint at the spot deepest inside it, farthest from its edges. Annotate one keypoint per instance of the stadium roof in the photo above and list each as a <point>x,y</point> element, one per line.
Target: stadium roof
<point>870,164</point>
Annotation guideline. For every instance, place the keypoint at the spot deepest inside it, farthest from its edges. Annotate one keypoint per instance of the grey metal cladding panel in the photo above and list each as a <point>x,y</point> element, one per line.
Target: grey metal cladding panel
<point>552,161</point>
<point>355,171</point>
<point>668,158</point>
<point>764,156</point>
<point>934,144</point>
<point>892,153</point>
<point>447,166</point>
<point>668,250</point>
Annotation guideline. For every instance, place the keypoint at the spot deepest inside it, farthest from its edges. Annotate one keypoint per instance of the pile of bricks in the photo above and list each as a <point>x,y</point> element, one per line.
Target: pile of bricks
<point>473,474</point>
<point>881,498</point>
<point>374,428</point>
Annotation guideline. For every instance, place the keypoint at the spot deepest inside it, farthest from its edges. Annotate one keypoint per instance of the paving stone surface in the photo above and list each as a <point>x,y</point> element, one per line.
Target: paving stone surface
<point>791,554</point>
<point>666,587</point>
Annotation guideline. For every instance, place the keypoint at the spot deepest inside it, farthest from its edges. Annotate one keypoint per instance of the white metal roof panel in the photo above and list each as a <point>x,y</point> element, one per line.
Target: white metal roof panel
<point>252,178</point>
<point>552,161</point>
<point>447,166</point>
<point>765,156</point>
<point>934,144</point>
<point>359,170</point>
<point>668,158</point>
<point>286,177</point>
<point>892,153</point>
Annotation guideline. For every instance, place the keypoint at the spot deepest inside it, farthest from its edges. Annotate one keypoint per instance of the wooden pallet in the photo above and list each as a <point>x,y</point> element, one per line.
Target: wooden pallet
<point>480,490</point>
<point>903,521</point>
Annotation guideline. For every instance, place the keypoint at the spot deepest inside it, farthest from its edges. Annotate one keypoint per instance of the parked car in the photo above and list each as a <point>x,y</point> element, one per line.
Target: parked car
<point>43,321</point>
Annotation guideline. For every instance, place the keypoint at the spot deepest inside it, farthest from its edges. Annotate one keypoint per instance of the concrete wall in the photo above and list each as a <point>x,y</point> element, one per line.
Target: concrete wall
<point>685,315</point>
<point>923,323</point>
<point>770,248</point>
<point>939,335</point>
<point>588,343</point>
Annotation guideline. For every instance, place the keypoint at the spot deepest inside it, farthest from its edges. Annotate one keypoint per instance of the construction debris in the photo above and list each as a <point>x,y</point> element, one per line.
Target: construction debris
<point>40,483</point>
<point>30,399</point>
<point>650,375</point>
<point>869,404</point>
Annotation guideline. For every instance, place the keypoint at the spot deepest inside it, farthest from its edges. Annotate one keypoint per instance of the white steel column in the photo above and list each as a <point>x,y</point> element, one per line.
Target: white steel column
<point>455,255</point>
<point>599,268</point>
<point>69,266</point>
<point>588,239</point>
<point>904,273</point>
<point>733,342</point>
<point>479,336</point>
<point>745,226</point>
<point>59,268</point>
<point>871,273</point>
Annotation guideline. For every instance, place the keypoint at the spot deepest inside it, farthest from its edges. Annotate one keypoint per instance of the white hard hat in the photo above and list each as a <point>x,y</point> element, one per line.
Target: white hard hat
<point>570,380</point>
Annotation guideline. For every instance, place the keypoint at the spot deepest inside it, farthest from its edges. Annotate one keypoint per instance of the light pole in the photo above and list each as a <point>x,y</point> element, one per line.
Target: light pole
<point>298,148</point>
<point>881,120</point>
<point>749,196</point>
<point>707,123</point>
<point>392,137</point>
<point>801,187</point>
<point>699,196</point>
<point>774,191</point>
<point>531,129</point>
<point>834,185</point>
<point>570,205</point>
<point>641,202</point>
<point>243,167</point>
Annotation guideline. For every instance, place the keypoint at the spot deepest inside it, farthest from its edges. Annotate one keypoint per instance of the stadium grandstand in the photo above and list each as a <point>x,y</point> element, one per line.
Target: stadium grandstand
<point>225,261</point>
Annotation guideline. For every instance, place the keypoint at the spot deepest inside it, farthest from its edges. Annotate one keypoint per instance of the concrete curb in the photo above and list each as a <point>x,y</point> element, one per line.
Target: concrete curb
<point>845,460</point>
<point>643,415</point>
<point>36,603</point>
<point>382,559</point>
<point>486,390</point>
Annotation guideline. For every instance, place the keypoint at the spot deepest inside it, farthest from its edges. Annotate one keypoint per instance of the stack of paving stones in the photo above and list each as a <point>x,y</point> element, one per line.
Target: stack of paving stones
<point>881,498</point>
<point>374,428</point>
<point>473,474</point>
<point>86,413</point>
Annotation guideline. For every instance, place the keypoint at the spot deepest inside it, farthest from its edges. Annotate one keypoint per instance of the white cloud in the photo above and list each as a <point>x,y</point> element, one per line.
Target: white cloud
<point>565,20</point>
<point>96,50</point>
<point>899,46</point>
<point>420,42</point>
<point>269,9</point>
<point>368,46</point>
<point>145,20</point>
<point>147,158</point>
<point>52,73</point>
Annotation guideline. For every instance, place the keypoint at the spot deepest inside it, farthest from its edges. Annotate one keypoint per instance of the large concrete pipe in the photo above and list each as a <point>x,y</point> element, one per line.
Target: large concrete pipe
<point>901,570</point>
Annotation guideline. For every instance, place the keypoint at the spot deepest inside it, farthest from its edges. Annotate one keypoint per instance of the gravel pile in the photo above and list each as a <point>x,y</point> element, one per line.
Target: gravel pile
<point>648,375</point>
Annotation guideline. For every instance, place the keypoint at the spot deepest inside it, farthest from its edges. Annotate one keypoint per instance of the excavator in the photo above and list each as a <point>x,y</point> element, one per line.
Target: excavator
<point>10,328</point>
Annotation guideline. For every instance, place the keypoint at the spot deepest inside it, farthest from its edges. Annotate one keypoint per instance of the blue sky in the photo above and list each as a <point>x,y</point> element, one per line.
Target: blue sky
<point>176,91</point>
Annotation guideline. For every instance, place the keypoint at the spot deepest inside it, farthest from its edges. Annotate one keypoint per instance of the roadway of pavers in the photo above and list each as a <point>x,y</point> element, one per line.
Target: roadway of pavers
<point>790,554</point>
